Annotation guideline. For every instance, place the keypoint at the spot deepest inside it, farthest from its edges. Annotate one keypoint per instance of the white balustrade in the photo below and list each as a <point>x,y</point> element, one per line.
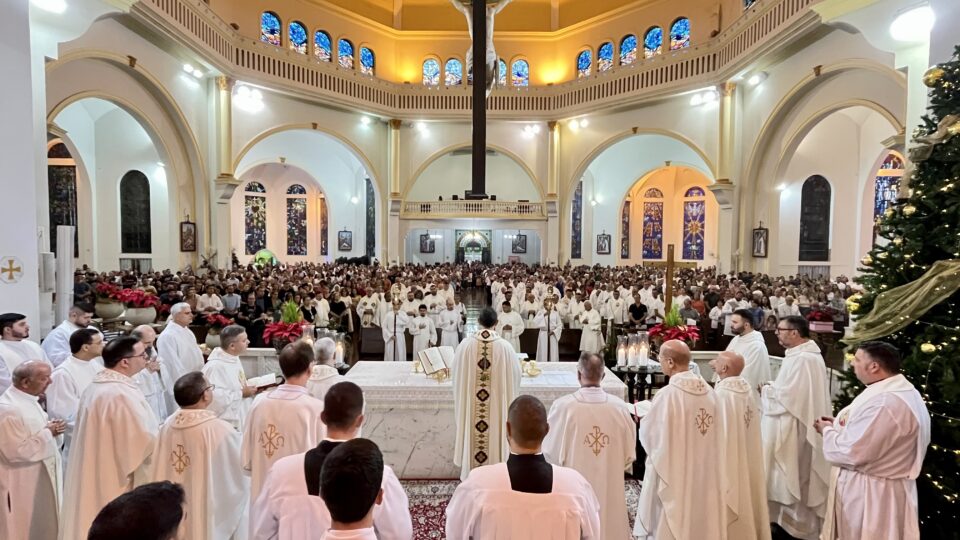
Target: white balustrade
<point>477,208</point>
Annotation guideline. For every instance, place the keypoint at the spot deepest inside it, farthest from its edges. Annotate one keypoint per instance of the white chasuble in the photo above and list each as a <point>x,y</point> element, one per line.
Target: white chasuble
<point>449,328</point>
<point>394,344</point>
<point>14,353</point>
<point>590,339</point>
<point>67,384</point>
<point>424,334</point>
<point>115,436</point>
<point>57,343</point>
<point>743,479</point>
<point>592,433</point>
<point>486,379</point>
<point>322,377</point>
<point>680,497</point>
<point>548,340</point>
<point>202,453</point>
<point>515,322</point>
<point>30,469</point>
<point>177,347</point>
<point>753,349</point>
<point>225,372</point>
<point>876,446</point>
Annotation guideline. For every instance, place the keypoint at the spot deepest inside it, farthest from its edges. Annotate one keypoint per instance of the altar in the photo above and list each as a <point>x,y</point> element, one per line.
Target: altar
<point>410,416</point>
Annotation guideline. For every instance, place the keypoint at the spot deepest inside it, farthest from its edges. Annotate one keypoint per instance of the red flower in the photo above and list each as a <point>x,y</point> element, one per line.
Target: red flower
<point>138,298</point>
<point>215,320</point>
<point>819,316</point>
<point>682,332</point>
<point>107,291</point>
<point>282,331</point>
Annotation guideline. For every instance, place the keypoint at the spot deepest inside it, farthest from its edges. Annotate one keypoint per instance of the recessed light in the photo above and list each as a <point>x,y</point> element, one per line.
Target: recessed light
<point>53,6</point>
<point>913,25</point>
<point>757,78</point>
<point>420,126</point>
<point>365,120</point>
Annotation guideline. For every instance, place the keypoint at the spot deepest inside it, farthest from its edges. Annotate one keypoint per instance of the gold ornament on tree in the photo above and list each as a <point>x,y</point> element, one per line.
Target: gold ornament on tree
<point>897,241</point>
<point>928,348</point>
<point>909,210</point>
<point>882,255</point>
<point>867,260</point>
<point>933,75</point>
<point>888,212</point>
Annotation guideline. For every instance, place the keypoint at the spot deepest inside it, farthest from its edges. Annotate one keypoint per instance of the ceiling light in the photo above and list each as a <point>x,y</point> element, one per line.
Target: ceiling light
<point>365,120</point>
<point>354,199</point>
<point>198,74</point>
<point>160,164</point>
<point>188,68</point>
<point>913,25</point>
<point>574,125</point>
<point>53,6</point>
<point>757,78</point>
<point>710,96</point>
<point>781,187</point>
<point>535,128</point>
<point>593,202</point>
<point>421,127</point>
<point>248,99</point>
<point>697,99</point>
<point>584,123</point>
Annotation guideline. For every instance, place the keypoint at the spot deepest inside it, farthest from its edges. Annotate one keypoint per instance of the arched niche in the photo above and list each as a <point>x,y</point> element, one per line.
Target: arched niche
<point>448,173</point>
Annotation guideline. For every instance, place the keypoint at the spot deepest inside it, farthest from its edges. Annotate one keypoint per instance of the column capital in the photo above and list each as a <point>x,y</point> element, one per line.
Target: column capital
<point>225,83</point>
<point>552,125</point>
<point>395,123</point>
<point>224,187</point>
<point>727,88</point>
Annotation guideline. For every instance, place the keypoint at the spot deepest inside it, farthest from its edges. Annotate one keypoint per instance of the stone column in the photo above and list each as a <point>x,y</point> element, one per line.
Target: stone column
<point>225,183</point>
<point>724,190</point>
<point>395,248</point>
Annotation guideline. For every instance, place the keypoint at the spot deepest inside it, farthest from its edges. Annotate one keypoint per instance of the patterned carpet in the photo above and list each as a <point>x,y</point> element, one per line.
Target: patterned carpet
<point>429,498</point>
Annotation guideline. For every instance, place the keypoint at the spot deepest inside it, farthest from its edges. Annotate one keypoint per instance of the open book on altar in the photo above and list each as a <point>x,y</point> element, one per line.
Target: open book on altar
<point>270,379</point>
<point>435,358</point>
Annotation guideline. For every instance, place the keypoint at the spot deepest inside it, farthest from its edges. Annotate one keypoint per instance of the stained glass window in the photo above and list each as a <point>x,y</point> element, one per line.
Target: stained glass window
<point>255,187</point>
<point>453,72</point>
<point>815,219</point>
<point>653,42</point>
<point>576,223</point>
<point>297,226</point>
<point>371,219</point>
<point>368,61</point>
<point>653,193</point>
<point>748,3</point>
<point>322,48</point>
<point>695,192</point>
<point>625,231</point>
<point>521,73</point>
<point>296,189</point>
<point>298,37</point>
<point>270,28</point>
<point>324,226</point>
<point>431,72</point>
<point>885,188</point>
<point>605,57</point>
<point>652,230</point>
<point>345,53</point>
<point>680,34</point>
<point>628,50</point>
<point>694,225</point>
<point>255,223</point>
<point>62,186</point>
<point>135,213</point>
<point>584,63</point>
<point>501,73</point>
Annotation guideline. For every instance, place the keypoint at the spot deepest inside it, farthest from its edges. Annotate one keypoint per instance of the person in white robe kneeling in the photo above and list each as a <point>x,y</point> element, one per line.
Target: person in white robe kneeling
<point>202,453</point>
<point>392,326</point>
<point>749,343</point>
<point>350,487</point>
<point>290,507</point>
<point>178,348</point>
<point>743,479</point>
<point>30,465</point>
<point>876,446</point>
<point>680,497</point>
<point>150,378</point>
<point>548,340</point>
<point>450,326</point>
<point>592,433</point>
<point>510,326</point>
<point>115,435</point>
<point>57,343</point>
<point>423,331</point>
<point>591,340</point>
<point>71,379</point>
<point>232,396</point>
<point>324,374</point>
<point>526,497</point>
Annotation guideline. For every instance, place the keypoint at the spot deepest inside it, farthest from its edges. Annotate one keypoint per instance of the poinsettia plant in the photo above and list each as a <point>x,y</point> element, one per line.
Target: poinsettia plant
<point>674,327</point>
<point>107,291</point>
<point>288,329</point>
<point>218,321</point>
<point>138,298</point>
<point>820,315</point>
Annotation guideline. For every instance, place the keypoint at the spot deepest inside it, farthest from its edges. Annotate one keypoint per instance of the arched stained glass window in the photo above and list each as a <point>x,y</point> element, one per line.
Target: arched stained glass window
<point>254,218</point>
<point>270,28</point>
<point>345,53</point>
<point>520,73</point>
<point>625,230</point>
<point>584,63</point>
<point>653,193</point>
<point>298,37</point>
<point>695,192</point>
<point>135,213</point>
<point>255,187</point>
<point>322,49</point>
<point>576,223</point>
<point>296,189</point>
<point>368,61</point>
<point>605,57</point>
<point>453,72</point>
<point>62,187</point>
<point>628,50</point>
<point>371,228</point>
<point>815,199</point>
<point>653,224</point>
<point>324,226</point>
<point>886,187</point>
<point>748,3</point>
<point>680,34</point>
<point>296,220</point>
<point>694,223</point>
<point>431,72</point>
<point>653,42</point>
<point>501,73</point>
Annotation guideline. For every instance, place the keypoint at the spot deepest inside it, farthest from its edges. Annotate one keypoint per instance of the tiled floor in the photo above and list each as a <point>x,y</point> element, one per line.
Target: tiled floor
<point>474,300</point>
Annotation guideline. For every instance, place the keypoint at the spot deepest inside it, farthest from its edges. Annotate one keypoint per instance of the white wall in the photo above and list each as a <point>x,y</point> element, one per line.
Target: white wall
<point>451,174</point>
<point>501,248</point>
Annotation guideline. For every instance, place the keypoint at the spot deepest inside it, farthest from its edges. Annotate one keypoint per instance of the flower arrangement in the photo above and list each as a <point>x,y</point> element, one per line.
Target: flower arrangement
<point>288,329</point>
<point>216,321</point>
<point>107,292</point>
<point>138,298</point>
<point>820,315</point>
<point>674,327</point>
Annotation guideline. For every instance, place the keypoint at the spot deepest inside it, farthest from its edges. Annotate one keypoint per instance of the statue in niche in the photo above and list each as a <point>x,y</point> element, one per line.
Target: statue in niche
<point>492,60</point>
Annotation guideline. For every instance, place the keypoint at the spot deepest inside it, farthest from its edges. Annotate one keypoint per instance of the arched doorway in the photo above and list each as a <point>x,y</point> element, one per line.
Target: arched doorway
<point>473,246</point>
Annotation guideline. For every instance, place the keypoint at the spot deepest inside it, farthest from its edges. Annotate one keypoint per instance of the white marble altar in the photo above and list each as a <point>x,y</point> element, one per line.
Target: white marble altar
<point>410,416</point>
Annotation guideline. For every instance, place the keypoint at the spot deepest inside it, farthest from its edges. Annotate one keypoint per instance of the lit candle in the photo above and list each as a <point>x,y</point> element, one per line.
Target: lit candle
<point>644,355</point>
<point>632,356</point>
<point>621,356</point>
<point>339,355</point>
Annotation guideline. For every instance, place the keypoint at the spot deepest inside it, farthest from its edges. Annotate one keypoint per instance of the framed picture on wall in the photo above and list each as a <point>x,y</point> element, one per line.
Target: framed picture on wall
<point>345,241</point>
<point>603,244</point>
<point>519,244</point>
<point>188,236</point>
<point>761,236</point>
<point>427,244</point>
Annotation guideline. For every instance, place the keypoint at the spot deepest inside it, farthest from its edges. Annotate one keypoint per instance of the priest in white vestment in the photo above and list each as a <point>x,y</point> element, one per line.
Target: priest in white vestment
<point>680,498</point>
<point>289,506</point>
<point>71,379</point>
<point>392,326</point>
<point>797,473</point>
<point>576,309</point>
<point>525,497</point>
<point>529,309</point>
<point>149,379</point>
<point>15,347</point>
<point>876,446</point>
<point>548,340</point>
<point>367,310</point>
<point>283,421</point>
<point>115,435</point>
<point>486,378</point>
<point>324,373</point>
<point>30,466</point>
<point>450,326</point>
<point>749,343</point>
<point>57,343</point>
<point>202,453</point>
<point>591,340</point>
<point>178,348</point>
<point>232,396</point>
<point>510,326</point>
<point>423,331</point>
<point>743,478</point>
<point>592,433</point>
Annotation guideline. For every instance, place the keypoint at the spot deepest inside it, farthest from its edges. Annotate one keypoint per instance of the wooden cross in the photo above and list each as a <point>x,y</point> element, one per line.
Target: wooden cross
<point>10,270</point>
<point>478,186</point>
<point>668,293</point>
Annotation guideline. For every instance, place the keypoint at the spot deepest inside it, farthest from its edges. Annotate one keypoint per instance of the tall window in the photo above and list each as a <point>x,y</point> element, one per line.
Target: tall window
<point>322,48</point>
<point>368,61</point>
<point>653,224</point>
<point>453,72</point>
<point>324,226</point>
<point>431,72</point>
<point>576,223</point>
<point>270,28</point>
<point>298,37</point>
<point>694,223</point>
<point>680,34</point>
<point>254,218</point>
<point>653,42</point>
<point>501,73</point>
<point>371,219</point>
<point>815,219</point>
<point>345,53</point>
<point>296,220</point>
<point>625,230</point>
<point>584,63</point>
<point>135,213</point>
<point>605,57</point>
<point>520,73</point>
<point>62,186</point>
<point>885,188</point>
<point>628,50</point>
<point>748,3</point>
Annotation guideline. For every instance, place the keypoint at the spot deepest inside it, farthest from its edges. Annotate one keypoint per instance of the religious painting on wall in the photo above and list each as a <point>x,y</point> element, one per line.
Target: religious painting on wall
<point>519,244</point>
<point>576,236</point>
<point>761,236</point>
<point>625,231</point>
<point>652,230</point>
<point>345,241</point>
<point>427,245</point>
<point>188,236</point>
<point>603,244</point>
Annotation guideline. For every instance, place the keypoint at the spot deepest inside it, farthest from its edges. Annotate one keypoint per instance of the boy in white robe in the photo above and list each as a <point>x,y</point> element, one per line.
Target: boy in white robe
<point>149,379</point>
<point>591,340</point>
<point>71,378</point>
<point>202,453</point>
<point>529,309</point>
<point>510,326</point>
<point>576,309</point>
<point>30,465</point>
<point>392,327</point>
<point>324,373</point>
<point>423,331</point>
<point>15,347</point>
<point>57,343</point>
<point>526,497</point>
<point>232,396</point>
<point>548,340</point>
<point>749,344</point>
<point>450,326</point>
<point>350,487</point>
<point>177,346</point>
<point>876,446</point>
<point>592,433</point>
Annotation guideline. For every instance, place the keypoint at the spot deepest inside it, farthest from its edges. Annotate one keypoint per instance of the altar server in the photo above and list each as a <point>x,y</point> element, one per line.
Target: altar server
<point>591,340</point>
<point>150,378</point>
<point>876,446</point>
<point>232,396</point>
<point>529,309</point>
<point>749,344</point>
<point>423,331</point>
<point>548,340</point>
<point>283,421</point>
<point>617,308</point>
<point>482,391</point>
<point>30,465</point>
<point>57,343</point>
<point>177,347</point>
<point>797,473</point>
<point>324,373</point>
<point>15,348</point>
<point>202,453</point>
<point>592,433</point>
<point>450,326</point>
<point>680,497</point>
<point>392,326</point>
<point>289,506</point>
<point>510,326</point>
<point>71,378</point>
<point>743,479</point>
<point>526,497</point>
<point>115,436</point>
<point>434,302</point>
<point>576,309</point>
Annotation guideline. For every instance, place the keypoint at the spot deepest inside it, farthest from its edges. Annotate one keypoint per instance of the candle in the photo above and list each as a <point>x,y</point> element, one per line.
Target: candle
<point>632,356</point>
<point>338,358</point>
<point>621,356</point>
<point>644,355</point>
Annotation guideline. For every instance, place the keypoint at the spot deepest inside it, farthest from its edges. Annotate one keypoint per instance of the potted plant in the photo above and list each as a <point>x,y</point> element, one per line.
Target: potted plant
<point>288,330</point>
<point>820,319</point>
<point>674,327</point>
<point>215,322</point>
<point>108,305</point>
<point>141,306</point>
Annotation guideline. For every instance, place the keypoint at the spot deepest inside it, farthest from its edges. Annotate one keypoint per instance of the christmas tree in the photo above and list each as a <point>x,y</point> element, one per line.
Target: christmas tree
<point>911,281</point>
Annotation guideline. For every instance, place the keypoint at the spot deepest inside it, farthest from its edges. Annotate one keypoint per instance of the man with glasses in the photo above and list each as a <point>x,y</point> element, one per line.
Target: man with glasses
<point>72,377</point>
<point>178,346</point>
<point>150,379</point>
<point>797,473</point>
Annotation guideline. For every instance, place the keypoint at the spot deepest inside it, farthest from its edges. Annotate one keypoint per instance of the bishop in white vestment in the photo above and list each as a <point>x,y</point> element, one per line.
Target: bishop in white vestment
<point>232,396</point>
<point>450,326</point>
<point>394,342</point>
<point>71,379</point>
<point>548,340</point>
<point>423,331</point>
<point>510,326</point>
<point>57,343</point>
<point>591,340</point>
<point>177,346</point>
<point>749,344</point>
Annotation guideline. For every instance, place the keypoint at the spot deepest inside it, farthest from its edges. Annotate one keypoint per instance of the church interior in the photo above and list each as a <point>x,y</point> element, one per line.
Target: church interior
<point>697,158</point>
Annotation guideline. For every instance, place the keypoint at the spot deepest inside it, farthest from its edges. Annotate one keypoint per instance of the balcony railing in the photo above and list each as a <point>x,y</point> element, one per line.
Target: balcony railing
<point>473,209</point>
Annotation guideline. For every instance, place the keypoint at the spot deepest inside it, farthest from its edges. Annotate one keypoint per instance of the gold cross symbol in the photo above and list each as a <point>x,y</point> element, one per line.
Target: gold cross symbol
<point>703,421</point>
<point>271,440</point>
<point>597,440</point>
<point>11,270</point>
<point>179,459</point>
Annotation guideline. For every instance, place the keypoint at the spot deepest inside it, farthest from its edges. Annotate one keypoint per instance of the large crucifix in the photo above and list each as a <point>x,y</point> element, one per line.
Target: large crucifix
<point>480,16</point>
